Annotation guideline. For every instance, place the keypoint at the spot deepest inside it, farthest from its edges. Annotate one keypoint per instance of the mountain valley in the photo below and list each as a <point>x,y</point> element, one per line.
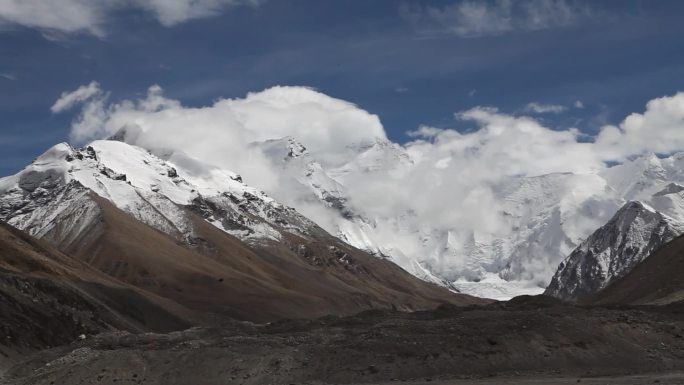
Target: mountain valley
<point>173,261</point>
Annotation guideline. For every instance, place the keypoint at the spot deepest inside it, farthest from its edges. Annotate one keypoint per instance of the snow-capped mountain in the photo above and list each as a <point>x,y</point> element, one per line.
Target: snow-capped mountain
<point>546,217</point>
<point>143,185</point>
<point>325,188</point>
<point>199,237</point>
<point>634,233</point>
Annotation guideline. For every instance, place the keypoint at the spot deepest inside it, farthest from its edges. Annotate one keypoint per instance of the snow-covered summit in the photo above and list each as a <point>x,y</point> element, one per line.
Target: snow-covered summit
<point>282,149</point>
<point>152,189</point>
<point>644,176</point>
<point>111,168</point>
<point>379,155</point>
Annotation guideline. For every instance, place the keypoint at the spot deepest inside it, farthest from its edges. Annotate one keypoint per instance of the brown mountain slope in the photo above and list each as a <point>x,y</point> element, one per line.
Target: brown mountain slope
<point>49,298</point>
<point>218,275</point>
<point>656,280</point>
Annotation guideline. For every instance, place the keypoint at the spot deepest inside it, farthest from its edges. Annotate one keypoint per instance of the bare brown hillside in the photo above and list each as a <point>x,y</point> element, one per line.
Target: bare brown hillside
<point>217,275</point>
<point>49,298</point>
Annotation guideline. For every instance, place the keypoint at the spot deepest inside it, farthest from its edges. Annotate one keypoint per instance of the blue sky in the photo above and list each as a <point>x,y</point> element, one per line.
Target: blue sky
<point>411,63</point>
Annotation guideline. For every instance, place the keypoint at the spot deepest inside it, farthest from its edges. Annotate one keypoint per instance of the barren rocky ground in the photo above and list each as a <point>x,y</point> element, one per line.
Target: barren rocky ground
<point>529,340</point>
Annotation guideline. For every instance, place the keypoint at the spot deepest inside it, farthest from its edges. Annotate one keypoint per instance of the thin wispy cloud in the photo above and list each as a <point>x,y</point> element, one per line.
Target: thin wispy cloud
<point>8,76</point>
<point>425,132</point>
<point>495,17</point>
<point>81,94</point>
<point>540,108</point>
<point>56,17</point>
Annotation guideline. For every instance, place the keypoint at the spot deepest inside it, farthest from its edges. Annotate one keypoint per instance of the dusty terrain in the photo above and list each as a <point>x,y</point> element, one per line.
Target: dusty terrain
<point>48,298</point>
<point>120,274</point>
<point>530,340</point>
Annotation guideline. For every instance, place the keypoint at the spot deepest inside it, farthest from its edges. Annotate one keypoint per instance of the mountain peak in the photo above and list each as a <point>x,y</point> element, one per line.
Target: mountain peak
<point>127,134</point>
<point>671,188</point>
<point>634,179</point>
<point>141,184</point>
<point>282,149</point>
<point>634,232</point>
<point>192,233</point>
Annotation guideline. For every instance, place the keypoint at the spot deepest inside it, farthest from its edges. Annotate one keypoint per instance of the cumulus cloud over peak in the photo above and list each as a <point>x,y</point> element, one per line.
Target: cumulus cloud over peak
<point>445,179</point>
<point>90,16</point>
<point>222,132</point>
<point>504,144</point>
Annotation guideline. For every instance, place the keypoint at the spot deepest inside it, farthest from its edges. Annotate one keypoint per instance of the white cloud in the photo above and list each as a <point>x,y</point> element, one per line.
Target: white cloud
<point>8,76</point>
<point>81,94</point>
<point>501,145</point>
<point>578,104</point>
<point>450,183</point>
<point>424,132</point>
<point>459,170</point>
<point>659,129</point>
<point>171,12</point>
<point>455,182</point>
<point>90,16</point>
<point>539,108</point>
<point>469,18</point>
<point>61,15</point>
<point>221,133</point>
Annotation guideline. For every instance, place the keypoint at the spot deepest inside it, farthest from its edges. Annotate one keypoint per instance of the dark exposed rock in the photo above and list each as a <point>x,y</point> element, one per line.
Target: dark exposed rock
<point>109,173</point>
<point>90,151</point>
<point>633,233</point>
